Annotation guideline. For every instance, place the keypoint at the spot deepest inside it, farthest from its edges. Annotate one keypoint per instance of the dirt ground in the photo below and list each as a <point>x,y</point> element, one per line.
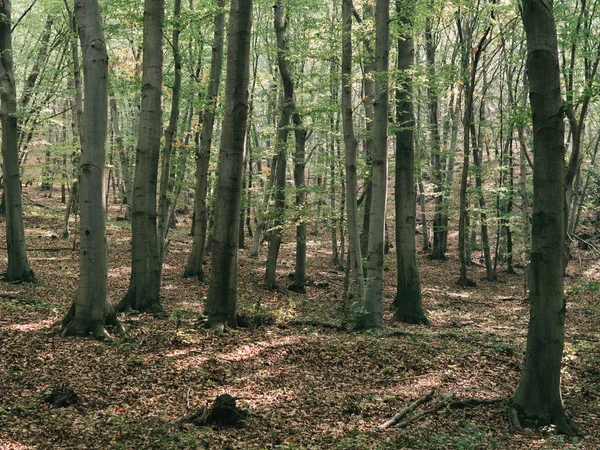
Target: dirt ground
<point>303,383</point>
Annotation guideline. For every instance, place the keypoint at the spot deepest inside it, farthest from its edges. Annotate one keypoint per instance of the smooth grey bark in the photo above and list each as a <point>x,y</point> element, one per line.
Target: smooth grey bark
<point>438,251</point>
<point>222,293</point>
<point>408,303</point>
<point>92,312</point>
<point>18,265</point>
<point>369,99</point>
<point>114,112</point>
<point>194,265</point>
<point>538,395</point>
<point>469,60</point>
<point>287,109</point>
<point>166,178</point>
<point>374,292</point>
<point>354,248</point>
<point>143,294</point>
<point>301,135</point>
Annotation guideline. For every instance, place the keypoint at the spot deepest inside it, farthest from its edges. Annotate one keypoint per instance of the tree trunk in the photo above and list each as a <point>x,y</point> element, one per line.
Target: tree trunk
<point>287,109</point>
<point>144,286</point>
<point>166,178</point>
<point>374,292</point>
<point>354,247</point>
<point>538,395</point>
<point>18,265</point>
<point>300,184</point>
<point>222,293</point>
<point>122,156</point>
<point>92,311</point>
<point>436,149</point>
<point>409,307</point>
<point>194,264</point>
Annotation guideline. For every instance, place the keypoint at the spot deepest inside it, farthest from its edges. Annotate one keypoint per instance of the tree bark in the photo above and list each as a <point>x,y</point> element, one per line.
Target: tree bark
<point>354,248</point>
<point>91,311</point>
<point>538,395</point>
<point>166,178</point>
<point>409,307</point>
<point>18,265</point>
<point>144,286</point>
<point>194,264</point>
<point>287,109</point>
<point>374,292</point>
<point>222,293</point>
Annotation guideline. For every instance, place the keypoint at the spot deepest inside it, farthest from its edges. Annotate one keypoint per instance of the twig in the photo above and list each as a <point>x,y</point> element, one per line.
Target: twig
<point>407,410</point>
<point>435,408</point>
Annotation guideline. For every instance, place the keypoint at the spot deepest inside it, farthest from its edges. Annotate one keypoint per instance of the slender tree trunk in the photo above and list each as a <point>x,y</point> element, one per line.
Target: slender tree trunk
<point>144,286</point>
<point>300,184</point>
<point>287,109</point>
<point>436,149</point>
<point>194,264</point>
<point>18,265</point>
<point>354,248</point>
<point>409,307</point>
<point>222,293</point>
<point>538,395</point>
<point>374,292</point>
<point>122,156</point>
<point>166,178</point>
<point>92,312</point>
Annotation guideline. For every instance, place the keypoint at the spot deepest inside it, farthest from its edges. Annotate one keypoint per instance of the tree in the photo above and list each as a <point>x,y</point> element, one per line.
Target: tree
<point>538,395</point>
<point>354,251</point>
<point>287,109</point>
<point>374,293</point>
<point>194,265</point>
<point>144,285</point>
<point>409,307</point>
<point>18,265</point>
<point>92,312</point>
<point>222,293</point>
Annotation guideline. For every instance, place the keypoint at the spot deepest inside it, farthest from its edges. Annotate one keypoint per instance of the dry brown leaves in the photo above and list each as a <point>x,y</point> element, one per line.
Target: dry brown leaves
<point>304,386</point>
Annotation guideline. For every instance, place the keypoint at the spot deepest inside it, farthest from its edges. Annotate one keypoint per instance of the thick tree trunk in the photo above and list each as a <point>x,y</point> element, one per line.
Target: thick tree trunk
<point>194,264</point>
<point>144,286</point>
<point>18,265</point>
<point>354,247</point>
<point>374,292</point>
<point>222,293</point>
<point>538,395</point>
<point>92,311</point>
<point>409,307</point>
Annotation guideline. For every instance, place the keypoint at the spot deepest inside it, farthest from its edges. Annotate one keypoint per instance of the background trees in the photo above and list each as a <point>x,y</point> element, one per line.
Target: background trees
<point>458,80</point>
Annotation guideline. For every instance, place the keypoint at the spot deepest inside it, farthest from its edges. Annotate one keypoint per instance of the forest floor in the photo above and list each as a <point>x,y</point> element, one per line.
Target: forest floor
<point>302,384</point>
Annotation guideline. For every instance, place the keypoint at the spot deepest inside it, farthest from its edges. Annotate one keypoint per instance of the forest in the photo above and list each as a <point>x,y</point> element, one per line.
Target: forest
<point>299,224</point>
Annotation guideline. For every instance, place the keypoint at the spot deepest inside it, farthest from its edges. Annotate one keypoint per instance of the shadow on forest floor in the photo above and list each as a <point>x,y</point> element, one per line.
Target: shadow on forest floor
<point>303,385</point>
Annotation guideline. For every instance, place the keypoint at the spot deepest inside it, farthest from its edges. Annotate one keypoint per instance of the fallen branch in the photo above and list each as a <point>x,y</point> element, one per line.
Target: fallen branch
<point>435,408</point>
<point>409,409</point>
